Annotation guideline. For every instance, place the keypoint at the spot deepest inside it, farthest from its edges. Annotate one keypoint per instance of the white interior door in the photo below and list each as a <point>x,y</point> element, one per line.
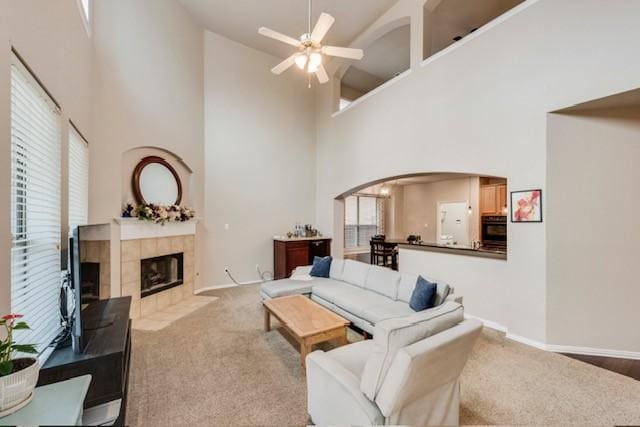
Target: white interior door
<point>453,223</point>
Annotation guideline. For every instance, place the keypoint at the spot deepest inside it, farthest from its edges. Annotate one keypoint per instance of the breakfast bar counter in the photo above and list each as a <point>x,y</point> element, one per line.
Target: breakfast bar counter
<point>456,250</point>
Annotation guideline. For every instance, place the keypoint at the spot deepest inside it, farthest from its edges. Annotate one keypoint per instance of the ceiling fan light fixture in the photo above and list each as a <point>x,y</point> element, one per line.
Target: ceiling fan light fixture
<point>311,52</point>
<point>301,61</point>
<point>315,59</point>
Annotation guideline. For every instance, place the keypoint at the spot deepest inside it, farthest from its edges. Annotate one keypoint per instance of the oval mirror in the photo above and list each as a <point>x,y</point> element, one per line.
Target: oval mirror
<point>156,182</point>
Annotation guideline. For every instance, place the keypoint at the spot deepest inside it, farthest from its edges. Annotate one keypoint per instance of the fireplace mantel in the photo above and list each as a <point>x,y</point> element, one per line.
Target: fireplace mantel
<point>133,229</point>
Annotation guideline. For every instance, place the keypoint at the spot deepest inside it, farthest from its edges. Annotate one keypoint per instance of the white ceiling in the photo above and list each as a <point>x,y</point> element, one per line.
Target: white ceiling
<point>239,20</point>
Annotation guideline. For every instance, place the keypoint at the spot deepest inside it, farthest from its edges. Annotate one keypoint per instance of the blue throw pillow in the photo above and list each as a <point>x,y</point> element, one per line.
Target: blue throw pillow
<point>423,295</point>
<point>321,267</point>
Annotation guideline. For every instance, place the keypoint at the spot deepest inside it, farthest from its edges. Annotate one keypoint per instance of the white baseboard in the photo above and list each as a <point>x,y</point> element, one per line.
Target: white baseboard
<point>586,351</point>
<point>229,285</point>
<point>488,323</point>
<point>527,341</point>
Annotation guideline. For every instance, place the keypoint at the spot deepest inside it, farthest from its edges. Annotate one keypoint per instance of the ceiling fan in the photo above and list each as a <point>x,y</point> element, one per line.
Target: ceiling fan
<point>310,50</point>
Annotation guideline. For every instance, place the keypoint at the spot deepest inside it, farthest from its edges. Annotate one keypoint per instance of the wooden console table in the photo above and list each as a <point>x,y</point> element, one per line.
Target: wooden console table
<point>288,254</point>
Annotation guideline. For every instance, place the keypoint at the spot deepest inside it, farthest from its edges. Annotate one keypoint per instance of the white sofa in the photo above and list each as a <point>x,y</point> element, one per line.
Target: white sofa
<point>362,293</point>
<point>407,375</point>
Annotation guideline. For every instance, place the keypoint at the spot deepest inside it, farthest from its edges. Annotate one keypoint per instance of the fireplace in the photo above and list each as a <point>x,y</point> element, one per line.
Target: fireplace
<point>160,273</point>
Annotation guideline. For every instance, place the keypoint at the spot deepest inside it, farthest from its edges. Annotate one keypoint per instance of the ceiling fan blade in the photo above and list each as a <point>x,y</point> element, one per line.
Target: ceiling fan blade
<point>322,27</point>
<point>343,52</point>
<point>284,65</point>
<point>267,32</point>
<point>321,74</point>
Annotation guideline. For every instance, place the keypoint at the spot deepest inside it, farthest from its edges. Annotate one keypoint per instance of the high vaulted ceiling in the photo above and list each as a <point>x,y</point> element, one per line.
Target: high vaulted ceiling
<point>239,20</point>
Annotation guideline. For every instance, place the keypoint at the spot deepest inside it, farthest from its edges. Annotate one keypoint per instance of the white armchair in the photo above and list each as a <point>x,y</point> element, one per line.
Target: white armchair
<point>408,374</point>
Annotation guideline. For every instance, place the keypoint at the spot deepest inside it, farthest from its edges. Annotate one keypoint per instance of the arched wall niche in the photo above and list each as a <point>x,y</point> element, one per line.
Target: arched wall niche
<point>132,157</point>
<point>369,39</point>
<point>383,61</point>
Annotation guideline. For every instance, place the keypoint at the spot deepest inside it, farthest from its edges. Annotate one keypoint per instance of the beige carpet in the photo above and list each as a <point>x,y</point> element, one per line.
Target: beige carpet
<point>216,366</point>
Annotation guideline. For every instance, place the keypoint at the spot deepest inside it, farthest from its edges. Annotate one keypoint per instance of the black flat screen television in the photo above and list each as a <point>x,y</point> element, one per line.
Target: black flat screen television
<point>89,254</point>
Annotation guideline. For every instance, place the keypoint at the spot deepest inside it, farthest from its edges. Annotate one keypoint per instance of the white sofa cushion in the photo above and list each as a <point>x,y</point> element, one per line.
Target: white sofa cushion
<point>357,301</point>
<point>407,284</point>
<point>442,292</point>
<point>388,310</point>
<point>330,289</point>
<point>393,334</point>
<point>355,272</point>
<point>353,356</point>
<point>337,267</point>
<point>383,281</point>
<point>286,287</point>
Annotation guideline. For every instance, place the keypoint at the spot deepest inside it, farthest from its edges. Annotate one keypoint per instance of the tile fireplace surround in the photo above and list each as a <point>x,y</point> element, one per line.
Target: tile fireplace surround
<point>140,241</point>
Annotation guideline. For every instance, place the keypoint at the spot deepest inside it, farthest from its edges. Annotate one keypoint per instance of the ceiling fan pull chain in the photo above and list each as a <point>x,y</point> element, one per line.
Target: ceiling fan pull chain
<point>310,10</point>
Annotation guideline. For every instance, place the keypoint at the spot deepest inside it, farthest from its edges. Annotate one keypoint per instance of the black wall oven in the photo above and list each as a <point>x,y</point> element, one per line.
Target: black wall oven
<point>494,232</point>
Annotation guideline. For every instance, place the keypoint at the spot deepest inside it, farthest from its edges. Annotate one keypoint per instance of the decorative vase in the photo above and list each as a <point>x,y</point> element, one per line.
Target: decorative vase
<point>16,389</point>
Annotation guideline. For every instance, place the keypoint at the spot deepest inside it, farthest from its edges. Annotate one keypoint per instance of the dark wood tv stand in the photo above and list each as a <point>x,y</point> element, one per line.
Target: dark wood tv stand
<point>106,357</point>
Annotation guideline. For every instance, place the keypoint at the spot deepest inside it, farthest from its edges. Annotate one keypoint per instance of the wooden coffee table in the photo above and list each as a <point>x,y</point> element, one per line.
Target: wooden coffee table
<point>306,321</point>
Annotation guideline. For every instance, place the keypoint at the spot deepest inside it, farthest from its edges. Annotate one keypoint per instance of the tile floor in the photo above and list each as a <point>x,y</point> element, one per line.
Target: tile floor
<point>165,317</point>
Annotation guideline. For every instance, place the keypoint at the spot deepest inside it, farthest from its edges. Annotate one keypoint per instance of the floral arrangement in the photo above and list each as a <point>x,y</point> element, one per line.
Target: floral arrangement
<point>158,213</point>
<point>8,346</point>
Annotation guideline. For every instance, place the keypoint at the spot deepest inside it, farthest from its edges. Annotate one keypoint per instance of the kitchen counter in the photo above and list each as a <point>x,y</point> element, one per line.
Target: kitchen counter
<point>298,239</point>
<point>456,250</point>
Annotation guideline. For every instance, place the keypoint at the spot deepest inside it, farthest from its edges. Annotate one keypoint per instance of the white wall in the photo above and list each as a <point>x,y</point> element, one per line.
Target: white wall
<point>480,107</point>
<point>149,90</point>
<point>54,43</point>
<point>259,158</point>
<point>593,230</point>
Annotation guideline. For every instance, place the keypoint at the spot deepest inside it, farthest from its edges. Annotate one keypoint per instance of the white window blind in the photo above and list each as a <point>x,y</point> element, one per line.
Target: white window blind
<point>35,207</point>
<point>364,218</point>
<point>78,180</point>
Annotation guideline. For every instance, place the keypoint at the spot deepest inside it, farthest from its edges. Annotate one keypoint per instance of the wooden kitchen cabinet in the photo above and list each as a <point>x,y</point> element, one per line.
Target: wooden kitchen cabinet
<point>502,200</point>
<point>488,199</point>
<point>288,254</point>
<point>493,199</point>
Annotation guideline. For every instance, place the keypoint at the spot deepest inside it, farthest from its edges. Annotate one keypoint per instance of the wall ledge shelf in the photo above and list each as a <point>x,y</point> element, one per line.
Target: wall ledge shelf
<point>133,229</point>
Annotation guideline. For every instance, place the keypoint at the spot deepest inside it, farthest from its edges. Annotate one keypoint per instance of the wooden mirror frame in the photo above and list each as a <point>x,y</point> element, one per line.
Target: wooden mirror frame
<point>137,172</point>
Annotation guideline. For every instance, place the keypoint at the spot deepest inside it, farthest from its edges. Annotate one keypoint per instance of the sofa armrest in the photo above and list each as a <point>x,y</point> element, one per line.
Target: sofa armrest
<point>334,396</point>
<point>302,271</point>
<point>454,298</point>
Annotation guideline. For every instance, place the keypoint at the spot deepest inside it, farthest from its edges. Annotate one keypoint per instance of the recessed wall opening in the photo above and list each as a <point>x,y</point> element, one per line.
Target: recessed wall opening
<point>384,59</point>
<point>450,210</point>
<point>449,21</point>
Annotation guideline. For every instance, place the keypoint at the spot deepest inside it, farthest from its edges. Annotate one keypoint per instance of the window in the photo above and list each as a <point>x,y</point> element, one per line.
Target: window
<point>363,220</point>
<point>35,207</point>
<point>78,180</point>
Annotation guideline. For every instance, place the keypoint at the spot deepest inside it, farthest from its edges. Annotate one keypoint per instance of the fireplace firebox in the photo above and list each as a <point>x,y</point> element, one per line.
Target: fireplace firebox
<point>160,273</point>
